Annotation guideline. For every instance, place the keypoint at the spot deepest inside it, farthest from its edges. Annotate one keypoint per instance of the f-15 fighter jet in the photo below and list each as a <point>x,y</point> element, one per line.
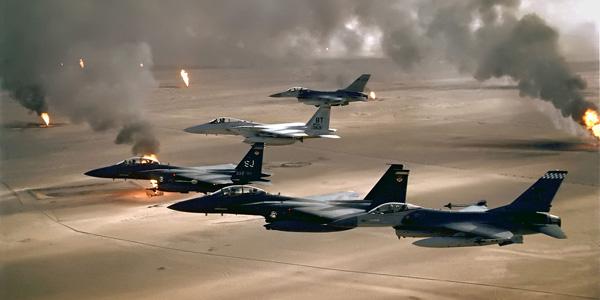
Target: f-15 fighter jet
<point>312,214</point>
<point>270,134</point>
<point>352,93</point>
<point>168,178</point>
<point>385,206</point>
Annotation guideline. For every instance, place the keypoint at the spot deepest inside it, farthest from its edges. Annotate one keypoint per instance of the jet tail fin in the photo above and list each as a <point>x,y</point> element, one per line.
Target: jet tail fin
<point>539,196</point>
<point>319,123</point>
<point>391,187</point>
<point>359,84</point>
<point>250,167</point>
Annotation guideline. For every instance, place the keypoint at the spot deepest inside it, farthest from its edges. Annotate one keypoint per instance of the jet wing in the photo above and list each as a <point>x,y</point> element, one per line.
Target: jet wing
<point>335,196</point>
<point>207,177</point>
<point>482,230</point>
<point>199,174</point>
<point>327,211</point>
<point>474,208</point>
<point>283,132</point>
<point>330,98</point>
<point>288,130</point>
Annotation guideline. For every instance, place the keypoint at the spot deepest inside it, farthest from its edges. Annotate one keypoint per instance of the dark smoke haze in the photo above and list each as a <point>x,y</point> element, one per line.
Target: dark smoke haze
<point>485,38</point>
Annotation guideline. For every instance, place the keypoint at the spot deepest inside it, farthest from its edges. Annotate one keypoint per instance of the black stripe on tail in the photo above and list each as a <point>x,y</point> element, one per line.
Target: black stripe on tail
<point>391,187</point>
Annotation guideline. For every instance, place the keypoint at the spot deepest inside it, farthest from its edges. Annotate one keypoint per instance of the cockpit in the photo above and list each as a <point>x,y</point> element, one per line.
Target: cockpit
<point>236,190</point>
<point>139,160</point>
<point>224,120</point>
<point>296,89</point>
<point>392,207</point>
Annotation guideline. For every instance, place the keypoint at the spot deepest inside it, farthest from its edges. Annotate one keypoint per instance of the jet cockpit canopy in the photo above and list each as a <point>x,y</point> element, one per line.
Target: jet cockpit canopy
<point>296,89</point>
<point>139,160</point>
<point>224,120</point>
<point>235,190</point>
<point>392,207</point>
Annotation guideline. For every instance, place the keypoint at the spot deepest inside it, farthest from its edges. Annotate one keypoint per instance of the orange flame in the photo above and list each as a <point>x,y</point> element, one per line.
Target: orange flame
<point>185,77</point>
<point>372,95</point>
<point>46,118</point>
<point>154,183</point>
<point>81,63</point>
<point>592,122</point>
<point>150,156</point>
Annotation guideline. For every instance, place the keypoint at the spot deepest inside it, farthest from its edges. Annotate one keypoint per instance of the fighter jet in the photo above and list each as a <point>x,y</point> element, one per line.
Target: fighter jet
<point>386,205</point>
<point>205,179</point>
<point>312,214</point>
<point>474,225</point>
<point>352,93</point>
<point>270,134</point>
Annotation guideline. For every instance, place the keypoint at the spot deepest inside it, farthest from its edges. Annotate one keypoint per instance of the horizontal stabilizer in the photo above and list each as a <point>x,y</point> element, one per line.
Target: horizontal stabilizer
<point>329,136</point>
<point>553,231</point>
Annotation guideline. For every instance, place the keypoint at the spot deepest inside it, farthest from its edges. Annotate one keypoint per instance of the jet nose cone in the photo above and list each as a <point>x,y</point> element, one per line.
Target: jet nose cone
<point>276,95</point>
<point>101,173</point>
<point>185,206</point>
<point>196,129</point>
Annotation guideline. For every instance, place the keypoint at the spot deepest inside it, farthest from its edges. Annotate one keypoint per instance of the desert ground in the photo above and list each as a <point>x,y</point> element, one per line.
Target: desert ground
<point>68,236</point>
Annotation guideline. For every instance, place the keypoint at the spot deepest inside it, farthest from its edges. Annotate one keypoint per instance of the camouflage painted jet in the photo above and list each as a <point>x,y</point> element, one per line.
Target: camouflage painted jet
<point>352,93</point>
<point>385,205</point>
<point>203,179</point>
<point>271,134</point>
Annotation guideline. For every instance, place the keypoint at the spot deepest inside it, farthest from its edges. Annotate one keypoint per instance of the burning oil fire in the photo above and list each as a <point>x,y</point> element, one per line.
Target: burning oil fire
<point>46,118</point>
<point>154,183</point>
<point>150,156</point>
<point>372,95</point>
<point>185,77</point>
<point>81,63</point>
<point>592,122</point>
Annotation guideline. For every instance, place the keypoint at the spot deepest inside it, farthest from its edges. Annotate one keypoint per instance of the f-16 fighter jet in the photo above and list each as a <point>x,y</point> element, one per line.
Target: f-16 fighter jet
<point>270,134</point>
<point>385,206</point>
<point>352,93</point>
<point>167,178</point>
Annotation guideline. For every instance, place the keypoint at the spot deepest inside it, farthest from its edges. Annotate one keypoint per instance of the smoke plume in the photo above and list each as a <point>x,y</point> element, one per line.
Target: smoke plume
<point>41,47</point>
<point>485,38</point>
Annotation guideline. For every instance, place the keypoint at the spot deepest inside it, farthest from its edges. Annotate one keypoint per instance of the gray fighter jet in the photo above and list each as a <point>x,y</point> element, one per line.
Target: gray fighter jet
<point>354,92</point>
<point>385,205</point>
<point>168,178</point>
<point>270,134</point>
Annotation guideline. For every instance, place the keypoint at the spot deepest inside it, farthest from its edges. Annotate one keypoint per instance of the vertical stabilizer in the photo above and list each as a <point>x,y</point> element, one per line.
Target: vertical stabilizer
<point>250,168</point>
<point>538,197</point>
<point>319,123</point>
<point>359,84</point>
<point>391,187</point>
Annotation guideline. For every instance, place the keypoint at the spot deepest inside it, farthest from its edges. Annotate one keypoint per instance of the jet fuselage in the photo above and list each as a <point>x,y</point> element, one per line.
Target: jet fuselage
<point>331,98</point>
<point>280,212</point>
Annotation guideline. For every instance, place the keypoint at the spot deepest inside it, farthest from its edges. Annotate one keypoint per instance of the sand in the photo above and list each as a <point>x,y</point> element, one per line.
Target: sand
<point>68,236</point>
